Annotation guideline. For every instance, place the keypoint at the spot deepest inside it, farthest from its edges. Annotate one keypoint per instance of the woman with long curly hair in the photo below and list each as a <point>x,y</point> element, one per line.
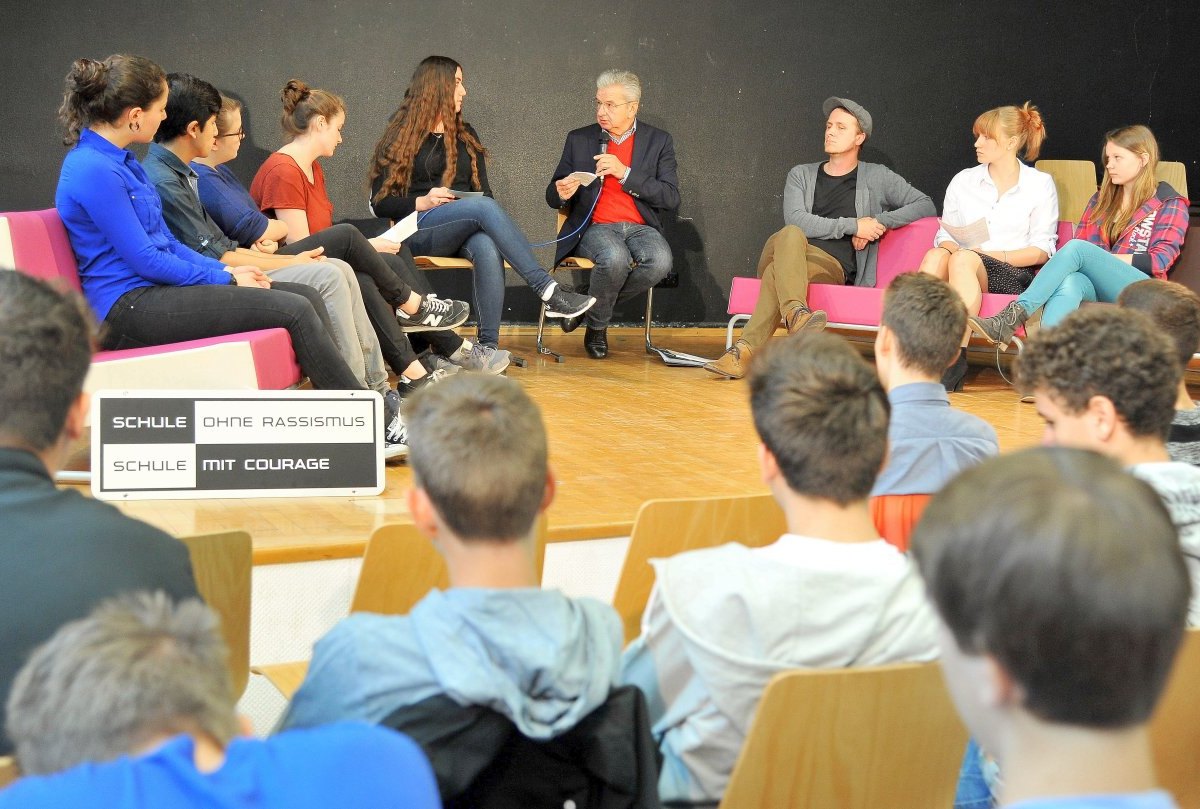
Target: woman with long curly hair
<point>431,161</point>
<point>1132,228</point>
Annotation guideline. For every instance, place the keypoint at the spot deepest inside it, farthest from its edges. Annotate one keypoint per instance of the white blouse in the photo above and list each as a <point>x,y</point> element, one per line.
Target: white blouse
<point>1026,216</point>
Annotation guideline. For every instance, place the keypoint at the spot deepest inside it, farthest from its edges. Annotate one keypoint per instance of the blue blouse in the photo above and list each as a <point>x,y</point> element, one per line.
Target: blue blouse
<point>114,219</point>
<point>230,204</point>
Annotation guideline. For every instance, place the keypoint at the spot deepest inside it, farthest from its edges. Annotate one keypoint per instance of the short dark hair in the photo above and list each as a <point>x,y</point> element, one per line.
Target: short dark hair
<point>1174,307</point>
<point>137,667</point>
<point>188,99</point>
<point>1111,352</point>
<point>822,412</point>
<point>45,351</point>
<point>1068,571</point>
<point>477,447</point>
<point>928,319</point>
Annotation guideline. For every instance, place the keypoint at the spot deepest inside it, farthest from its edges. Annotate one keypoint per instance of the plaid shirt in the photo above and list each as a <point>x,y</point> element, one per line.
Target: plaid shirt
<point>1154,235</point>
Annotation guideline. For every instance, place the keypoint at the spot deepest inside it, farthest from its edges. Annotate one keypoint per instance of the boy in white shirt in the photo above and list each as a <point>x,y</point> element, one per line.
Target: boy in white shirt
<point>829,593</point>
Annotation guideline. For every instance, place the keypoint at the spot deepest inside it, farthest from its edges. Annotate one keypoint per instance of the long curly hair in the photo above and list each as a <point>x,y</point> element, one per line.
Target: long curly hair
<point>428,99</point>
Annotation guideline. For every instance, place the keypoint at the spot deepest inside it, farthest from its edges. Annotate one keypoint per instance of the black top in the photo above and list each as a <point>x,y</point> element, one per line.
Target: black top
<point>833,198</point>
<point>428,165</point>
<point>62,553</point>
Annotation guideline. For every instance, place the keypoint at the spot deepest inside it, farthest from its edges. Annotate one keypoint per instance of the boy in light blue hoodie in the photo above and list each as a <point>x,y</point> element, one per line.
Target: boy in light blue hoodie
<point>494,638</point>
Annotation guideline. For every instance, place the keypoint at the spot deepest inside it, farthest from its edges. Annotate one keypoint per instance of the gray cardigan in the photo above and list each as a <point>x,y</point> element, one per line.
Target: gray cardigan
<point>881,193</point>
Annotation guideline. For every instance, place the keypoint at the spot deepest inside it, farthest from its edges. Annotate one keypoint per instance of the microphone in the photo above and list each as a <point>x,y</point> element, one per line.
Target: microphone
<point>604,139</point>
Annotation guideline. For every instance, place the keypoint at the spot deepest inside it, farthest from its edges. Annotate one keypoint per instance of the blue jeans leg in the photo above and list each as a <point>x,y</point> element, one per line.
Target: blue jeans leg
<point>629,259</point>
<point>444,229</point>
<point>1074,290</point>
<point>1108,274</point>
<point>489,285</point>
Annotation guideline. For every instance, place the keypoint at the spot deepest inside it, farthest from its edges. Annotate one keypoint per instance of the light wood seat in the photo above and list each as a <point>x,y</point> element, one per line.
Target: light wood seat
<point>8,771</point>
<point>399,568</point>
<point>1075,181</point>
<point>667,527</point>
<point>1175,727</point>
<point>221,563</point>
<point>852,739</point>
<point>1173,174</point>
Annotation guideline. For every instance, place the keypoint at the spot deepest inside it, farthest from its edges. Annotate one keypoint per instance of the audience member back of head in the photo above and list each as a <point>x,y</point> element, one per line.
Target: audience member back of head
<point>60,552</point>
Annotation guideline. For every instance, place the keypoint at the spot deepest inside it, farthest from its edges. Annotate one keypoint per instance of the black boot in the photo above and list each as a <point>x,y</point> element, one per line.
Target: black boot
<point>952,379</point>
<point>595,342</point>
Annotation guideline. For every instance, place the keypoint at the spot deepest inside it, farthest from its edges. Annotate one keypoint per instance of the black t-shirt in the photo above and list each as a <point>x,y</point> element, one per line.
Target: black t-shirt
<point>834,199</point>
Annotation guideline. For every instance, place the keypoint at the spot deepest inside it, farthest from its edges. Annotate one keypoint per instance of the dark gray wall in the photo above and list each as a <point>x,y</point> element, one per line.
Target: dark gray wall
<point>738,84</point>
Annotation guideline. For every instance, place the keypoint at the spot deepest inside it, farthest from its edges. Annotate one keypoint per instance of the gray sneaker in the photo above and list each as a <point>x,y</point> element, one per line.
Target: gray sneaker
<point>442,364</point>
<point>434,314</point>
<point>564,303</point>
<point>395,439</point>
<point>485,359</point>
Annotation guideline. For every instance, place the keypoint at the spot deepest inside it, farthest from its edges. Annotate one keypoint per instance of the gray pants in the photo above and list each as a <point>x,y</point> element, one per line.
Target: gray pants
<point>629,260</point>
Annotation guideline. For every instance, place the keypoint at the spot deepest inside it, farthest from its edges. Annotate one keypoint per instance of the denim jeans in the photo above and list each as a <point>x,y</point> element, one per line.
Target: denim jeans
<point>629,258</point>
<point>155,315</point>
<point>479,229</point>
<point>1080,271</point>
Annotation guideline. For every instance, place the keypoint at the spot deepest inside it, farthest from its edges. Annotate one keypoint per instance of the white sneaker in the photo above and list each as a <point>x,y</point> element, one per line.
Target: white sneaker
<point>395,439</point>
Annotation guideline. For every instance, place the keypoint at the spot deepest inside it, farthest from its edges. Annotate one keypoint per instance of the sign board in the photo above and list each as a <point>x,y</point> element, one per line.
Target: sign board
<point>166,445</point>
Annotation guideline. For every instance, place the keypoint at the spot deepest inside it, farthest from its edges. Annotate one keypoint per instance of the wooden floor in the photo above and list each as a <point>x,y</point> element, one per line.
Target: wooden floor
<point>622,431</point>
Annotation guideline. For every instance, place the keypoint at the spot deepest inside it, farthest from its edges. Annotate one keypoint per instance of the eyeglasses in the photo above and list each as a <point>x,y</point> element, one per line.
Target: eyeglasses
<point>240,135</point>
<point>608,106</point>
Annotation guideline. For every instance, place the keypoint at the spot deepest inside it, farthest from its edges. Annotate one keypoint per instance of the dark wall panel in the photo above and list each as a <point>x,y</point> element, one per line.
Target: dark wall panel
<point>738,84</point>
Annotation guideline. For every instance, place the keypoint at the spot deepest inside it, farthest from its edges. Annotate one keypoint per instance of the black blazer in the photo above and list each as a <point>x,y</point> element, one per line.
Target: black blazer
<point>653,182</point>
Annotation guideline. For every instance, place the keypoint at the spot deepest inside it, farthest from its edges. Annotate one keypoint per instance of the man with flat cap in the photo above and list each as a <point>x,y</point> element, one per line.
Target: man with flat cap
<point>834,213</point>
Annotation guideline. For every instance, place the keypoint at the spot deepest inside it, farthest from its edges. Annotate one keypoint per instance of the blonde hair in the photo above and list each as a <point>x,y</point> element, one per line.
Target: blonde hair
<point>1110,210</point>
<point>228,107</point>
<point>302,103</point>
<point>1023,123</point>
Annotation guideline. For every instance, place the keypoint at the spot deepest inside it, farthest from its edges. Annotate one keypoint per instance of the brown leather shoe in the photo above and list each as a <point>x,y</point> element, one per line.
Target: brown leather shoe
<point>801,318</point>
<point>733,363</point>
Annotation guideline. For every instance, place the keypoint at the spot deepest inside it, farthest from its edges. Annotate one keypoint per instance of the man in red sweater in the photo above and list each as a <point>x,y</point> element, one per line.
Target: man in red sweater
<point>615,219</point>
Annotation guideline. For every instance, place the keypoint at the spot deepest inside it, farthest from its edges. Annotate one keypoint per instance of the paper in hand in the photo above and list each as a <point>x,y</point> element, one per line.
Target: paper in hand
<point>401,230</point>
<point>971,235</point>
<point>584,177</point>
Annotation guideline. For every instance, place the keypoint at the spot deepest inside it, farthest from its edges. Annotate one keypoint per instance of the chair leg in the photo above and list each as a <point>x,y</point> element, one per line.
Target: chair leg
<point>541,348</point>
<point>650,349</point>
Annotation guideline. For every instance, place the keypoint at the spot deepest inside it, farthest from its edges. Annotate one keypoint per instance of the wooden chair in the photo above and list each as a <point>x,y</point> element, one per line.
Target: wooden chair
<point>400,566</point>
<point>579,263</point>
<point>896,515</point>
<point>221,563</point>
<point>666,527</point>
<point>8,771</point>
<point>1173,174</point>
<point>1075,181</point>
<point>1175,727</point>
<point>851,738</point>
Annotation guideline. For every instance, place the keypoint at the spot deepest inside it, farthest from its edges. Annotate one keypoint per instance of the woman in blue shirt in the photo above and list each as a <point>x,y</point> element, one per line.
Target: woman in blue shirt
<point>146,287</point>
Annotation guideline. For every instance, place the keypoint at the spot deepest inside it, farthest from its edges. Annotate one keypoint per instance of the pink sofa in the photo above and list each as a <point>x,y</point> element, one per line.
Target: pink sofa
<point>900,250</point>
<point>261,360</point>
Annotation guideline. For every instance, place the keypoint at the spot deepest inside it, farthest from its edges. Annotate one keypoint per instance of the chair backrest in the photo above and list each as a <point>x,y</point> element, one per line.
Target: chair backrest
<point>400,566</point>
<point>1175,728</point>
<point>1075,181</point>
<point>851,738</point>
<point>902,249</point>
<point>1173,174</point>
<point>8,771</point>
<point>40,247</point>
<point>221,564</point>
<point>666,527</point>
<point>895,516</point>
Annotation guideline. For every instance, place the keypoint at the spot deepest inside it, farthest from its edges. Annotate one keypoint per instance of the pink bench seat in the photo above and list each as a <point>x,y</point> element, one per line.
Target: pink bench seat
<point>262,360</point>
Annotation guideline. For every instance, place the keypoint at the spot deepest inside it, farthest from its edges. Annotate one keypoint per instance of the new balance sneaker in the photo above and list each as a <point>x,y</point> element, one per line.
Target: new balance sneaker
<point>407,387</point>
<point>437,362</point>
<point>564,303</point>
<point>482,358</point>
<point>395,439</point>
<point>434,314</point>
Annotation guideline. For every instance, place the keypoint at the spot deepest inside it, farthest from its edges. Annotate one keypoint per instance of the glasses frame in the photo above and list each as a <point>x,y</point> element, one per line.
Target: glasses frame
<point>610,107</point>
<point>240,135</point>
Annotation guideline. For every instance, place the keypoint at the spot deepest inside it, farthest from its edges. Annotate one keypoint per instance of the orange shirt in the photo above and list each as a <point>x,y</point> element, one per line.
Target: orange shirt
<point>280,183</point>
<point>614,204</point>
